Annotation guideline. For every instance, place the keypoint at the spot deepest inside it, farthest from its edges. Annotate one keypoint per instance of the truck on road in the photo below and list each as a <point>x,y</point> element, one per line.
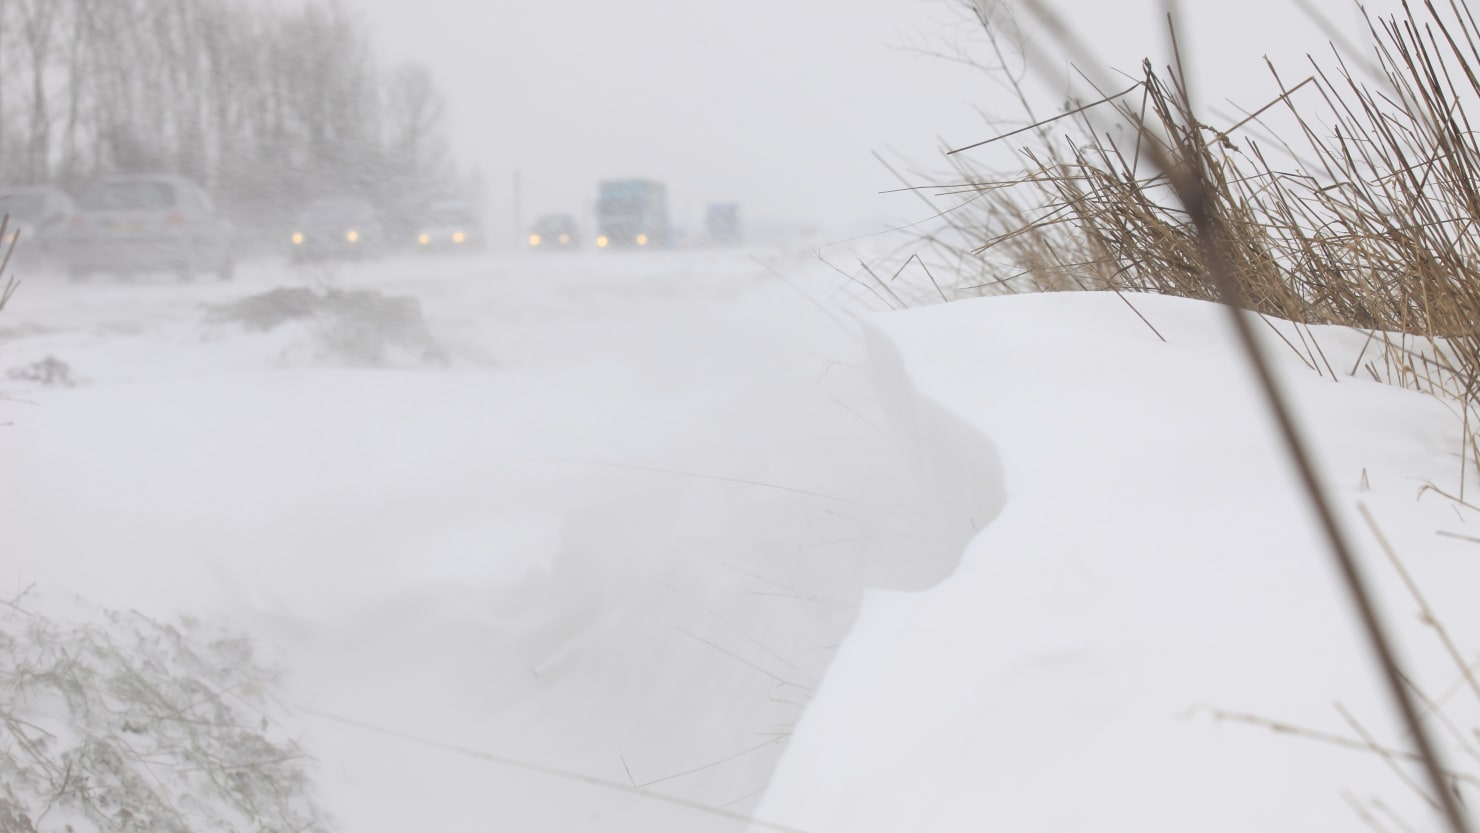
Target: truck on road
<point>632,212</point>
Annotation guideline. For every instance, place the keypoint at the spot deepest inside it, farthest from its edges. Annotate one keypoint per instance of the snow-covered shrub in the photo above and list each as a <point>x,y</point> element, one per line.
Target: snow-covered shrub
<point>116,722</point>
<point>360,328</point>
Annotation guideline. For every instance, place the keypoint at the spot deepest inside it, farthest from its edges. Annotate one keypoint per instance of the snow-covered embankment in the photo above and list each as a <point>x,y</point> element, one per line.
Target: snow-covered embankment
<point>1146,571</point>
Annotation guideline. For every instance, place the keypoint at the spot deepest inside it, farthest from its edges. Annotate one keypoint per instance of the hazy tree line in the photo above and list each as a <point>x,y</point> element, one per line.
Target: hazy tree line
<point>265,106</point>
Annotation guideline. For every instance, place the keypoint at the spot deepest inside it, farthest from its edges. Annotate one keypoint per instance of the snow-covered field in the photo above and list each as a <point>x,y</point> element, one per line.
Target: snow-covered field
<point>616,515</point>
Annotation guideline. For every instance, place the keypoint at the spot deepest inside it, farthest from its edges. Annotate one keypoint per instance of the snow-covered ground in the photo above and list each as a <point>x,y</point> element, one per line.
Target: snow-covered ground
<point>617,524</point>
<point>616,514</point>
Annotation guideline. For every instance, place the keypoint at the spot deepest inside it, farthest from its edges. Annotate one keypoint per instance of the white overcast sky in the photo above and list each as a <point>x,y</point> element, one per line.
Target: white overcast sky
<point>777,104</point>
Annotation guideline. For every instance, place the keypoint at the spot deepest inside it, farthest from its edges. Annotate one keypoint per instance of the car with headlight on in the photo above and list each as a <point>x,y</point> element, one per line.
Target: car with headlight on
<point>128,223</point>
<point>37,213</point>
<point>336,228</point>
<point>555,233</point>
<point>449,227</point>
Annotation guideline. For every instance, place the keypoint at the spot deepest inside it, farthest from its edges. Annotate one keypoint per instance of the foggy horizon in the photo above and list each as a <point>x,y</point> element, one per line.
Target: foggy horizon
<point>779,106</point>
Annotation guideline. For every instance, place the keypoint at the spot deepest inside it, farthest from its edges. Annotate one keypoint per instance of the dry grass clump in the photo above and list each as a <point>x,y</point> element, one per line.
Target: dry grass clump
<point>1367,218</point>
<point>121,723</point>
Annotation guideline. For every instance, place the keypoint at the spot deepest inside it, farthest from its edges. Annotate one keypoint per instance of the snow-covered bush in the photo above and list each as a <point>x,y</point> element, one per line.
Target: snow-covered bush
<point>115,722</point>
<point>360,328</point>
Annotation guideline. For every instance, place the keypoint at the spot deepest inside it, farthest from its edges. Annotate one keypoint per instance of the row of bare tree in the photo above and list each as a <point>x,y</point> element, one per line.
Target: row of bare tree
<point>266,104</point>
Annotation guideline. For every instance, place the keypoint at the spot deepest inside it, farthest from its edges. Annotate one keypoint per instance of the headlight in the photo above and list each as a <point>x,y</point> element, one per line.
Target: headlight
<point>424,239</point>
<point>352,236</point>
<point>642,239</point>
<point>458,237</point>
<point>534,240</point>
<point>297,238</point>
<point>564,239</point>
<point>601,241</point>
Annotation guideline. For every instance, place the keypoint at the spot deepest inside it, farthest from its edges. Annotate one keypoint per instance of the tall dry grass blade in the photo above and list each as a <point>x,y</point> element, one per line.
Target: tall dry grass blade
<point>1362,813</point>
<point>1330,739</point>
<point>1044,122</point>
<point>1391,760</point>
<point>554,772</point>
<point>1428,616</point>
<point>1393,816</point>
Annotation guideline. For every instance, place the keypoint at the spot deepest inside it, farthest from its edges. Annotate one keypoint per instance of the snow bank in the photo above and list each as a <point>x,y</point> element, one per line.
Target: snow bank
<point>1145,568</point>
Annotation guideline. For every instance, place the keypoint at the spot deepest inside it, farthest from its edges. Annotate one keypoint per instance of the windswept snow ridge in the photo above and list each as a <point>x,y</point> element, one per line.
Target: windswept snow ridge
<point>1148,584</point>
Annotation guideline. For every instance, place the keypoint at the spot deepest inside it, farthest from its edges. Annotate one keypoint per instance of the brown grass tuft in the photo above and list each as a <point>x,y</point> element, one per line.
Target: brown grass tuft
<point>1366,219</point>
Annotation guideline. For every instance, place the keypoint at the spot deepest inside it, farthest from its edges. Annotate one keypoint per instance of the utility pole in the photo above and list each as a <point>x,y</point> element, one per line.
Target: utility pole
<point>518,205</point>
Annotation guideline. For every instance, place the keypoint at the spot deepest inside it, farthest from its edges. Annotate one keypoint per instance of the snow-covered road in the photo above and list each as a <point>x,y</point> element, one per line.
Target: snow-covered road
<point>616,521</point>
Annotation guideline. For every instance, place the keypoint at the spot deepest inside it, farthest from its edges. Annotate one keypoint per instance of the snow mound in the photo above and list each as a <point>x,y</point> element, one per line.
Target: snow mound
<point>1142,594</point>
<point>357,328</point>
<point>47,372</point>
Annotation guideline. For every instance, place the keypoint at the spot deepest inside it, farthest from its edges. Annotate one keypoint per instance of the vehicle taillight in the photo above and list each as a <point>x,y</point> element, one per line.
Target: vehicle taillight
<point>177,218</point>
<point>76,221</point>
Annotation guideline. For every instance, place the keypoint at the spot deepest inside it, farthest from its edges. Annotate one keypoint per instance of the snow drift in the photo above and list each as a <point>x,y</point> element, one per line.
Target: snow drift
<point>1145,585</point>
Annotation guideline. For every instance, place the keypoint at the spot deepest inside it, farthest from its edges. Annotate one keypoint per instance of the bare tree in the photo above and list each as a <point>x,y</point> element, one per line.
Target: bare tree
<point>415,120</point>
<point>268,106</point>
<point>38,19</point>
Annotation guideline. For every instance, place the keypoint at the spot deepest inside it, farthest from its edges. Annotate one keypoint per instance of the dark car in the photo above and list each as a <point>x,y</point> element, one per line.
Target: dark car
<point>129,223</point>
<point>337,228</point>
<point>38,213</point>
<point>554,232</point>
